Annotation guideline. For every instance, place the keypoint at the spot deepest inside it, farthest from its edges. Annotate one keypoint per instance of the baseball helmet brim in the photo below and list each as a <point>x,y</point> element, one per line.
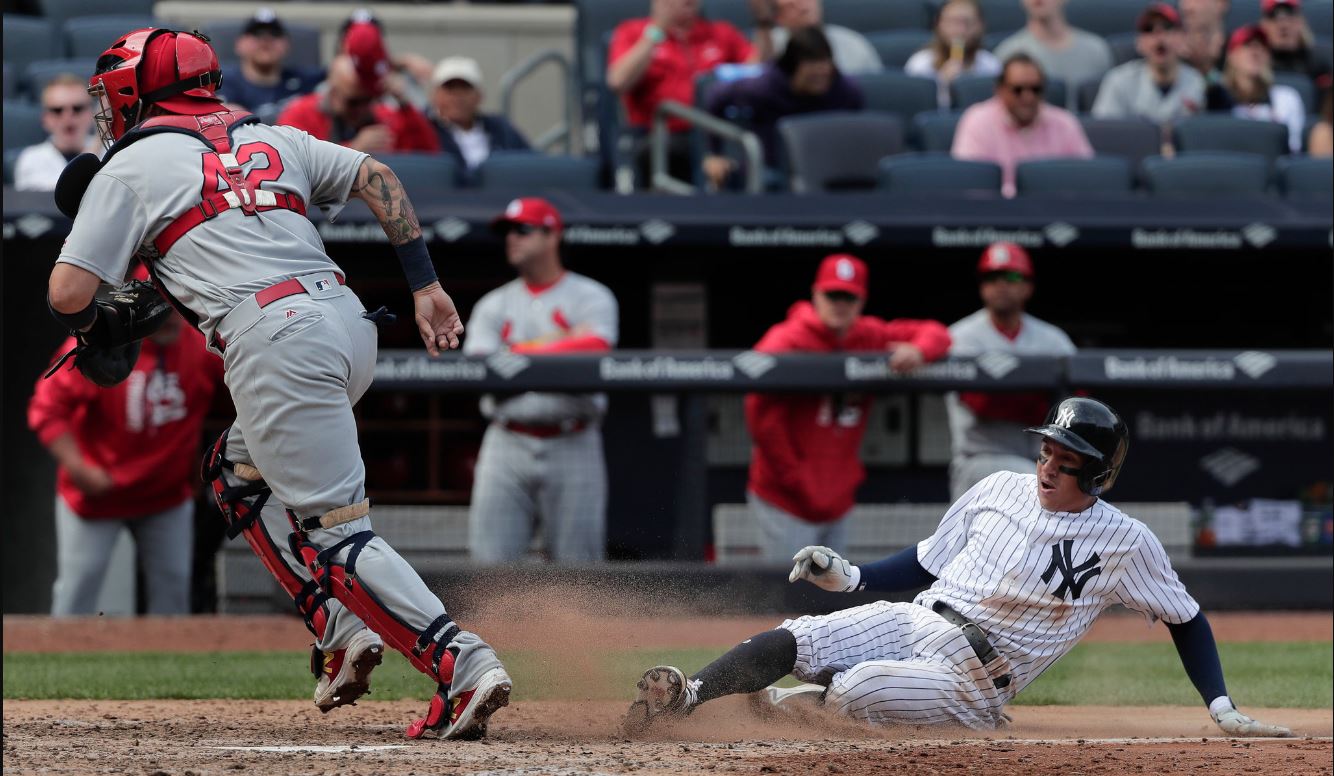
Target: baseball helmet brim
<point>1066,438</point>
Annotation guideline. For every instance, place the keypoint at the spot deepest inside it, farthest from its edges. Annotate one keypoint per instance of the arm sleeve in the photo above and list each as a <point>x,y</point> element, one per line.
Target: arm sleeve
<point>1150,585</point>
<point>1194,640</point>
<point>483,330</point>
<point>55,400</point>
<point>930,336</point>
<point>599,316</point>
<point>1079,142</point>
<point>767,420</point>
<point>103,239</point>
<point>741,49</point>
<point>901,571</point>
<point>1108,103</point>
<point>413,131</point>
<point>937,550</point>
<point>970,138</point>
<point>622,40</point>
<point>919,64</point>
<point>330,168</point>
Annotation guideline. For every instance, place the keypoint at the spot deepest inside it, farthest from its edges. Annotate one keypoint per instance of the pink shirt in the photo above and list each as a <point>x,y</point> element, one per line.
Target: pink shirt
<point>986,133</point>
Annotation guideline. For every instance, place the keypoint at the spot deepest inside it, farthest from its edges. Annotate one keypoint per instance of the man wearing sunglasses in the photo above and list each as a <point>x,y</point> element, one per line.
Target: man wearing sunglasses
<point>987,429</point>
<point>805,465</point>
<point>1156,88</point>
<point>67,117</point>
<point>1016,125</point>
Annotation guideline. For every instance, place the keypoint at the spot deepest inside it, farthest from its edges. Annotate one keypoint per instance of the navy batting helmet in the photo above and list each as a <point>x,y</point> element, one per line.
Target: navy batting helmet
<point>1096,432</point>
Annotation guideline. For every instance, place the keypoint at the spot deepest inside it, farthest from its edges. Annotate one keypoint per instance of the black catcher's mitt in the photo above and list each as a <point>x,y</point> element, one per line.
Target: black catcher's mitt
<point>107,352</point>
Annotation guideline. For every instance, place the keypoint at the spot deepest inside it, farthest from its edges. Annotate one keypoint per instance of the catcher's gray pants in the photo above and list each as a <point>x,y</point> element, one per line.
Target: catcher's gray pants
<point>163,542</point>
<point>295,368</point>
<point>523,481</point>
<point>967,471</point>
<point>898,663</point>
<point>783,533</point>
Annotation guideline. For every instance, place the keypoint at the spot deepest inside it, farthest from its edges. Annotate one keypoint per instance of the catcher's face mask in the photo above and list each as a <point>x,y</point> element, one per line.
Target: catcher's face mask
<point>179,73</point>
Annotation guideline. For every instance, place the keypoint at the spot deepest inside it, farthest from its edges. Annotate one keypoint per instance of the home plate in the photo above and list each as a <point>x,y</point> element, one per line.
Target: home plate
<point>312,748</point>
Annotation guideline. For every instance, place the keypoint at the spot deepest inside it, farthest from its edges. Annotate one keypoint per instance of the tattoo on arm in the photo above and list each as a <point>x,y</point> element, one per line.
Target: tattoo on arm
<point>384,194</point>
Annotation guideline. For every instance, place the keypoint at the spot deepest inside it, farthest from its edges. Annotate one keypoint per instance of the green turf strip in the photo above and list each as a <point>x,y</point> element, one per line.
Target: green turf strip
<point>1287,674</point>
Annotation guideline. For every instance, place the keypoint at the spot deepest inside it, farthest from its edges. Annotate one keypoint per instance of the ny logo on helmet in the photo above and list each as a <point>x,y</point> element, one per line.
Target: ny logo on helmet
<point>1064,417</point>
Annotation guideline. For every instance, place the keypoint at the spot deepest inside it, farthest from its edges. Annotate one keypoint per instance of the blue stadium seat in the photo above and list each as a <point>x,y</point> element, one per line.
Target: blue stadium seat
<point>305,42</point>
<point>11,157</point>
<point>993,39</point>
<point>1304,86</point>
<point>870,15</point>
<point>1225,133</point>
<point>838,150</point>
<point>60,11</point>
<point>1085,177</point>
<point>1240,13</point>
<point>970,89</point>
<point>934,130</point>
<point>10,91</point>
<point>892,91</point>
<point>1104,17</point>
<point>525,171</point>
<point>41,72</point>
<point>1086,93</point>
<point>1207,174</point>
<point>1306,178</point>
<point>912,174</point>
<point>23,124</point>
<point>1319,16</point>
<point>89,36</point>
<point>422,173</point>
<point>27,39</point>
<point>1130,139</point>
<point>1003,17</point>
<point>896,46</point>
<point>734,12</point>
<point>1123,47</point>
<point>594,21</point>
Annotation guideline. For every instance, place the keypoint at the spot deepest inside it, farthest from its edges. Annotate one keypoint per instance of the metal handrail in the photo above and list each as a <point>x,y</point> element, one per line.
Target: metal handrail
<point>563,131</point>
<point>661,180</point>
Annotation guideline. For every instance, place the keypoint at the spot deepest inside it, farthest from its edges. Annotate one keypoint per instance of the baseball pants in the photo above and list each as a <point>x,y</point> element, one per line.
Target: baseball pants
<point>783,533</point>
<point>295,368</point>
<point>967,471</point>
<point>888,663</point>
<point>163,542</point>
<point>523,483</point>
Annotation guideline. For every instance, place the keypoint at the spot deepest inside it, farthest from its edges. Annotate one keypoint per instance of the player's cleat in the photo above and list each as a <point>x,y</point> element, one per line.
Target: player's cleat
<point>467,715</point>
<point>344,675</point>
<point>664,692</point>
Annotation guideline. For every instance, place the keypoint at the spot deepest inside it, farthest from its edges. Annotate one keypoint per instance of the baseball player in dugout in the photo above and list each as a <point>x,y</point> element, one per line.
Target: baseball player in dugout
<point>987,429</point>
<point>124,462</point>
<point>805,464</point>
<point>215,202</point>
<point>541,462</point>
<point>1015,574</point>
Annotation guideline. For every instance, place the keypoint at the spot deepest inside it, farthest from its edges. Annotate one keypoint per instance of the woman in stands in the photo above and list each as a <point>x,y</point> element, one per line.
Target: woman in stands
<point>955,49</point>
<point>1248,89</point>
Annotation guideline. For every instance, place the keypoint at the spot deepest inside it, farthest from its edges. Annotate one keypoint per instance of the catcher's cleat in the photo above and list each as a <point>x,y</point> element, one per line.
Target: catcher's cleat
<point>664,691</point>
<point>467,715</point>
<point>344,674</point>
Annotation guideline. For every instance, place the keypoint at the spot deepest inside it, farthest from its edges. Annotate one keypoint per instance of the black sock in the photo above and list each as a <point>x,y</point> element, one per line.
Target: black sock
<point>750,666</point>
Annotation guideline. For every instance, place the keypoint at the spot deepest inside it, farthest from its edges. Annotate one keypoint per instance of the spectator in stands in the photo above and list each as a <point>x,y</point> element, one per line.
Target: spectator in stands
<point>127,459</point>
<point>1068,53</point>
<point>1290,39</point>
<point>1015,125</point>
<point>348,110</point>
<point>413,71</point>
<point>804,79</point>
<point>1156,87</point>
<point>464,132</point>
<point>1203,48</point>
<point>67,117</point>
<point>657,58</point>
<point>259,81</point>
<point>955,48</point>
<point>987,429</point>
<point>853,53</point>
<point>1248,89</point>
<point>1321,140</point>
<point>1204,12</point>
<point>805,465</point>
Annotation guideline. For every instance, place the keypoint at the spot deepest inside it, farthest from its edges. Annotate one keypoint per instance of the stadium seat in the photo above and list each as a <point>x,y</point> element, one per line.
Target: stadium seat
<point>11,157</point>
<point>734,12</point>
<point>891,91</point>
<point>594,21</point>
<point>525,171</point>
<point>1104,17</point>
<point>1207,174</point>
<point>934,130</point>
<point>89,36</point>
<point>1241,13</point>
<point>994,38</point>
<point>27,39</point>
<point>1130,139</point>
<point>1319,16</point>
<point>870,15</point>
<point>1225,133</point>
<point>896,46</point>
<point>1003,17</point>
<point>60,11</point>
<point>1086,177</point>
<point>1086,94</point>
<point>1123,47</point>
<point>23,124</point>
<point>837,150</point>
<point>970,89</point>
<point>1304,86</point>
<point>917,173</point>
<point>41,72</point>
<point>422,172</point>
<point>305,42</point>
<point>1306,178</point>
<point>11,84</point>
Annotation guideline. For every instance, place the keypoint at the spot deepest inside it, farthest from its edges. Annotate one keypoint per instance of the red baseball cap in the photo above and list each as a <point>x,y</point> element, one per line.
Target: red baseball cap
<point>1156,11</point>
<point>365,45</point>
<point>1247,33</point>
<point>169,58</point>
<point>842,272</point>
<point>1268,6</point>
<point>534,211</point>
<point>1005,257</point>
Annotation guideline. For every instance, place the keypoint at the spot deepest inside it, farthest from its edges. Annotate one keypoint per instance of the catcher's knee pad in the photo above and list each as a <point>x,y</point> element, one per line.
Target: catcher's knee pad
<point>427,649</point>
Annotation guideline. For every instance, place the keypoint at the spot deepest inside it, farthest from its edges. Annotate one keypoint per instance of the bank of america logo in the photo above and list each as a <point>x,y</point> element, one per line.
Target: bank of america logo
<point>997,365</point>
<point>1061,234</point>
<point>507,364</point>
<point>1254,363</point>
<point>860,232</point>
<point>1229,465</point>
<point>656,230</point>
<point>753,364</point>
<point>33,226</point>
<point>451,229</point>
<point>1259,235</point>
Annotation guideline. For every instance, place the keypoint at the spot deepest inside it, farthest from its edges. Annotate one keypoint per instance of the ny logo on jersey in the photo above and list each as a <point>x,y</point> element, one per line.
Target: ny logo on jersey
<point>1073,578</point>
<point>1064,417</point>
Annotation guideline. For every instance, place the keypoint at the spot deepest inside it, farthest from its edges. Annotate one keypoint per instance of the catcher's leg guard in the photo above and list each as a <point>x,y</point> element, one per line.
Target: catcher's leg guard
<point>428,649</point>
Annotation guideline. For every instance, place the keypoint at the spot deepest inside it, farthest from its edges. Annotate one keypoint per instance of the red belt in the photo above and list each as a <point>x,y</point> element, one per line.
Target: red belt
<point>267,296</point>
<point>545,431</point>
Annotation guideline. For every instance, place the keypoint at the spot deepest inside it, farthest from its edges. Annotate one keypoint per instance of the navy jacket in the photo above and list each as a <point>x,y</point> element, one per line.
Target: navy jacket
<point>502,135</point>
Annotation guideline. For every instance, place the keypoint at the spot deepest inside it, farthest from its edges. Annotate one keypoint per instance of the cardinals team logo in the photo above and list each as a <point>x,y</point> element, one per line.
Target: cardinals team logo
<point>845,270</point>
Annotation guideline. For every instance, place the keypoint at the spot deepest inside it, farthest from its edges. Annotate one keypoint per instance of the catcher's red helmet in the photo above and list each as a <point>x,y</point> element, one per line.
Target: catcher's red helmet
<point>177,71</point>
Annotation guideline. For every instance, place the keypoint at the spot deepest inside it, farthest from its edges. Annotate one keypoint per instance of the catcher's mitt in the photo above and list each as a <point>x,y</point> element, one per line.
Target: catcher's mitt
<point>107,352</point>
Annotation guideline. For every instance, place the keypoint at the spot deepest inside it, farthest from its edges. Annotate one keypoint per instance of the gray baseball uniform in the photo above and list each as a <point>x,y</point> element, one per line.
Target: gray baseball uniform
<point>541,460</point>
<point>294,367</point>
<point>982,446</point>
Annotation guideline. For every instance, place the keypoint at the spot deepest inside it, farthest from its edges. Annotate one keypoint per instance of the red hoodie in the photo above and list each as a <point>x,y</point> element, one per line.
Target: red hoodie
<point>144,432</point>
<point>412,131</point>
<point>805,460</point>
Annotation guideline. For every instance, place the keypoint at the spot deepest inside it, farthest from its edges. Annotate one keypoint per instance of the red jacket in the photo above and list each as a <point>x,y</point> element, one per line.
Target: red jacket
<point>144,432</point>
<point>412,131</point>
<point>805,459</point>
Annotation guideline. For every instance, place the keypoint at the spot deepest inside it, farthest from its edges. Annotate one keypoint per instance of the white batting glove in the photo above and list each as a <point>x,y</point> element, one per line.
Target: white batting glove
<point>1234,723</point>
<point>825,569</point>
